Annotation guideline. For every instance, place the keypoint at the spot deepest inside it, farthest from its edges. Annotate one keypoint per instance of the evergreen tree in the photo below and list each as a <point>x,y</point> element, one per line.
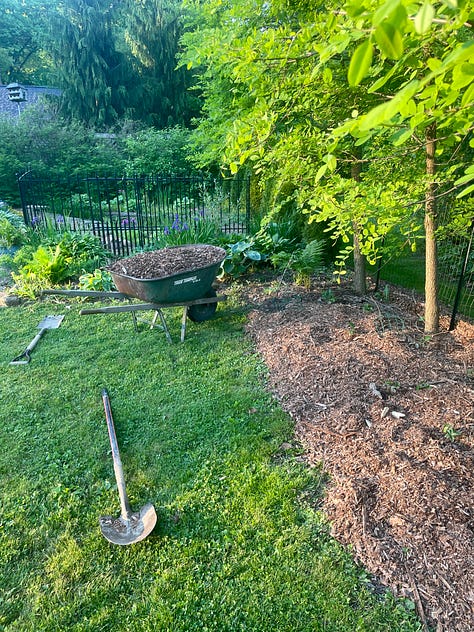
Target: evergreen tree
<point>151,33</point>
<point>90,71</point>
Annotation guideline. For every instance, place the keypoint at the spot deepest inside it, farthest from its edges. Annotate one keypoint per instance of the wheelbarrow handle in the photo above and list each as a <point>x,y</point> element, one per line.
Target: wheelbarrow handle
<point>118,469</point>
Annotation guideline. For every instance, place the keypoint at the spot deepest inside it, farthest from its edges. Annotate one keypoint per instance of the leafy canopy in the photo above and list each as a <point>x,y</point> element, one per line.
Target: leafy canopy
<point>299,91</point>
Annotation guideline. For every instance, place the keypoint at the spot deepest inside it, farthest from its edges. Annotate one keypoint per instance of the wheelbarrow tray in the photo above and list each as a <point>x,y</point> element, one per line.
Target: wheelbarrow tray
<point>189,285</point>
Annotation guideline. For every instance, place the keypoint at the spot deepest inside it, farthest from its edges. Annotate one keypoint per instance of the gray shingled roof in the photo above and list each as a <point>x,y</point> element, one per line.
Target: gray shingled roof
<point>33,96</point>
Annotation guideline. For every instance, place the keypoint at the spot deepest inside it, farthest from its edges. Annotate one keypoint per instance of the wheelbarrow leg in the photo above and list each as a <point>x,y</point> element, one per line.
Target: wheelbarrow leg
<point>183,323</point>
<point>153,322</point>
<point>165,328</point>
<point>135,324</point>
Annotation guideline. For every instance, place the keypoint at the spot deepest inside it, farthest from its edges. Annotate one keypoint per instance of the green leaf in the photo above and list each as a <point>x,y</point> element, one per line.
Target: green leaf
<point>424,18</point>
<point>462,76</point>
<point>321,172</point>
<point>355,9</point>
<point>363,139</point>
<point>417,119</point>
<point>468,96</point>
<point>360,63</point>
<point>434,63</point>
<point>466,191</point>
<point>398,18</point>
<point>459,54</point>
<point>254,255</point>
<point>385,111</point>
<point>401,136</point>
<point>408,108</point>
<point>389,40</point>
<point>467,177</point>
<point>383,80</point>
<point>331,161</point>
<point>384,11</point>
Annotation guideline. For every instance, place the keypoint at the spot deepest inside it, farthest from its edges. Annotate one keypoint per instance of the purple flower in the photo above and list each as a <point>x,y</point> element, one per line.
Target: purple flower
<point>59,219</point>
<point>185,226</point>
<point>124,223</point>
<point>35,220</point>
<point>166,230</point>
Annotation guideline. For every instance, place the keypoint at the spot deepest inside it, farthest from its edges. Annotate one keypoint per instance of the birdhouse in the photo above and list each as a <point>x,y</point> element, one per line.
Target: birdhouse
<point>16,92</point>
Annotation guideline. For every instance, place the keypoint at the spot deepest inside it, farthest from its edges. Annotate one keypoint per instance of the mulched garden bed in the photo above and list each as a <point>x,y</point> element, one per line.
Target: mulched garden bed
<point>389,412</point>
<point>168,261</point>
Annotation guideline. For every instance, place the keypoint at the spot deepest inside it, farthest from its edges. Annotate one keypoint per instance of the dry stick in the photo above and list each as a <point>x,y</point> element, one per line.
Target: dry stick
<point>418,603</point>
<point>364,519</point>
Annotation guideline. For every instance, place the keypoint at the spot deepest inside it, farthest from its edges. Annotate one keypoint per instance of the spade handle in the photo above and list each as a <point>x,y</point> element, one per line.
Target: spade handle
<point>35,341</point>
<point>119,477</point>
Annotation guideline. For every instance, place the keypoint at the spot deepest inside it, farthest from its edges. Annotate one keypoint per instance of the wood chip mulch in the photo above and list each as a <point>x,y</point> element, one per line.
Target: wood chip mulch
<point>389,412</point>
<point>165,262</point>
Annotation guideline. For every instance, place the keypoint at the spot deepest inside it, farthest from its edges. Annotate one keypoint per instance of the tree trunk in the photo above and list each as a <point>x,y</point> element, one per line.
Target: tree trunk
<point>360,286</point>
<point>431,271</point>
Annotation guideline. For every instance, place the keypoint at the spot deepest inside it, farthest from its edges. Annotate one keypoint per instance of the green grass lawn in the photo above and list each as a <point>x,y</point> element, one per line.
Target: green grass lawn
<point>238,545</point>
<point>408,270</point>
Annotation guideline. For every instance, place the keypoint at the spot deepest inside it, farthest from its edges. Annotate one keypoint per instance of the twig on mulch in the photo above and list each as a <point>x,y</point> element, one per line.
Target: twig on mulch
<point>418,602</point>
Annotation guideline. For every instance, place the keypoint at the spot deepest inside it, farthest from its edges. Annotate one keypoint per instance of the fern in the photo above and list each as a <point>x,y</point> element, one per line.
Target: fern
<point>305,262</point>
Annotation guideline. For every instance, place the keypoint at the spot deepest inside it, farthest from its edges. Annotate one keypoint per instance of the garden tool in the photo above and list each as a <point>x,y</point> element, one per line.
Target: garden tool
<point>49,322</point>
<point>131,526</point>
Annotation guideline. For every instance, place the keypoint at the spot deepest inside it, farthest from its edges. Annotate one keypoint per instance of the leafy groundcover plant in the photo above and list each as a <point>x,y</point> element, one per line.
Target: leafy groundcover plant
<point>240,543</point>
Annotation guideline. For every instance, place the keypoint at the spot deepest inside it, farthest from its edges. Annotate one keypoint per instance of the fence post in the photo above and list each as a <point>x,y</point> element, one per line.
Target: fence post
<point>457,298</point>
<point>247,205</point>
<point>21,180</point>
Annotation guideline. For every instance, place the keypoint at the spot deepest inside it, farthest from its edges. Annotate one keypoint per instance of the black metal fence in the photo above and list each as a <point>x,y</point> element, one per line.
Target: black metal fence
<point>130,212</point>
<point>455,265</point>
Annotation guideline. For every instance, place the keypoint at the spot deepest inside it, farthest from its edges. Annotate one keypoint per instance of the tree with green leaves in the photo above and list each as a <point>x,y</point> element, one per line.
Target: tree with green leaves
<point>421,57</point>
<point>149,33</point>
<point>113,61</point>
<point>272,103</point>
<point>292,88</point>
<point>22,58</point>
<point>90,71</point>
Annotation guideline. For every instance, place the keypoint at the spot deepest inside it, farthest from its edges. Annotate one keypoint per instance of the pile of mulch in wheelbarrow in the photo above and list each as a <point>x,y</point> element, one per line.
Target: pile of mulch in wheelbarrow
<point>389,412</point>
<point>168,261</point>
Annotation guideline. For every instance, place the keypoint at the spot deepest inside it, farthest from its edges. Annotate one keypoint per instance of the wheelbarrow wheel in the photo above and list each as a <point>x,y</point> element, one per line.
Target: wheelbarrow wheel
<point>203,311</point>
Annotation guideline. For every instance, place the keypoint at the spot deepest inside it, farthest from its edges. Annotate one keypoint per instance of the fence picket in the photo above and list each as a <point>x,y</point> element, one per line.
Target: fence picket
<point>127,212</point>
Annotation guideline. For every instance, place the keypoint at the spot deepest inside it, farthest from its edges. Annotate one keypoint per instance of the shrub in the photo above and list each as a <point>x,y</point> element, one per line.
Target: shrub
<point>242,256</point>
<point>46,144</point>
<point>158,151</point>
<point>12,227</point>
<point>60,258</point>
<point>10,235</point>
<point>303,261</point>
<point>198,230</point>
<point>47,267</point>
<point>99,280</point>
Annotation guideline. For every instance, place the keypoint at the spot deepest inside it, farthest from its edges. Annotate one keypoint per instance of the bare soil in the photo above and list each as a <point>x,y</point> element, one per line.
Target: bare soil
<point>165,262</point>
<point>389,412</point>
